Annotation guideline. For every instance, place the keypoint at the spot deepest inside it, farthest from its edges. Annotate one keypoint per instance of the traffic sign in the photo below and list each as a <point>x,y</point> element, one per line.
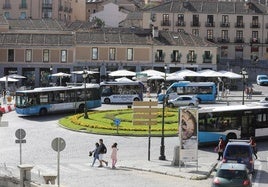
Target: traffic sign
<point>20,141</point>
<point>117,121</point>
<point>20,134</point>
<point>58,144</point>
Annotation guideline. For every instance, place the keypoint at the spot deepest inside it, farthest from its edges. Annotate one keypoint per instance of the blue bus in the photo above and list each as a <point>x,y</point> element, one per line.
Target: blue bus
<point>41,101</point>
<point>206,92</point>
<point>232,122</point>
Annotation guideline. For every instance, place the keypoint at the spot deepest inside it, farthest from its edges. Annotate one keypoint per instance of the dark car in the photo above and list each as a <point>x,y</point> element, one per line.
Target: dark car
<point>239,151</point>
<point>232,175</point>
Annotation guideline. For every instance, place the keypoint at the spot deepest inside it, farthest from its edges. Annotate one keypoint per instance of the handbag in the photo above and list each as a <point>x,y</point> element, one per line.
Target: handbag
<point>90,153</point>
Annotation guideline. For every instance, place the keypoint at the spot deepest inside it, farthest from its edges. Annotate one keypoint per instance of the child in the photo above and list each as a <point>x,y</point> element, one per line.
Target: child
<point>95,153</point>
<point>114,155</point>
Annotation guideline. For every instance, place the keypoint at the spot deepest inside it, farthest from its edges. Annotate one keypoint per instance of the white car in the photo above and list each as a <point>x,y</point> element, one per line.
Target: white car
<point>183,100</point>
<point>262,80</point>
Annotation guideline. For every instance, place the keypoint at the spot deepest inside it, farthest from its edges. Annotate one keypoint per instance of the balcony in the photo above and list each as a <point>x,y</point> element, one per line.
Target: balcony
<point>254,40</point>
<point>47,6</point>
<point>225,24</point>
<point>207,59</point>
<point>255,25</point>
<point>210,24</point>
<point>239,25</point>
<point>165,23</point>
<point>223,40</point>
<point>239,40</point>
<point>181,24</point>
<point>23,6</point>
<point>7,6</point>
<point>211,39</point>
<point>195,24</point>
<point>191,58</point>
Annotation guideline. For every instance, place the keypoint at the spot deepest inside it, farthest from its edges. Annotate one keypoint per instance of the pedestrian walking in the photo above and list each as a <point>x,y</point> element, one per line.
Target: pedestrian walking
<point>101,152</point>
<point>220,148</point>
<point>253,144</point>
<point>114,155</point>
<point>95,153</point>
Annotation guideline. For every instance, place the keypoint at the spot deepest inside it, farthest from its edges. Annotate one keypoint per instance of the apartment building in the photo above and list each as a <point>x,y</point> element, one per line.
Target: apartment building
<point>239,28</point>
<point>38,48</point>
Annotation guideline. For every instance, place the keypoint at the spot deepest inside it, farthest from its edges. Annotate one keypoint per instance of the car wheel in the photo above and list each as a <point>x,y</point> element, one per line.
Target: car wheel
<point>107,101</point>
<point>191,104</point>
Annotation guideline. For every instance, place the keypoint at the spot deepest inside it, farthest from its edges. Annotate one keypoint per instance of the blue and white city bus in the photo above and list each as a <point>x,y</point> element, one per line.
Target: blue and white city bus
<point>232,122</point>
<point>206,92</point>
<point>121,92</point>
<point>41,101</point>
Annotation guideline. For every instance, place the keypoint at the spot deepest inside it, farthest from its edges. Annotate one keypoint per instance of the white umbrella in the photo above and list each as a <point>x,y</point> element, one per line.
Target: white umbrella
<point>174,78</point>
<point>82,71</point>
<point>156,77</point>
<point>16,76</point>
<point>231,75</point>
<point>209,73</point>
<point>122,73</point>
<point>185,73</point>
<point>152,72</point>
<point>8,79</point>
<point>123,79</point>
<point>60,75</point>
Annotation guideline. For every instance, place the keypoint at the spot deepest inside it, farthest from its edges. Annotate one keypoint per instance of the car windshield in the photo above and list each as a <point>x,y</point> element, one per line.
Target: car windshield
<point>232,174</point>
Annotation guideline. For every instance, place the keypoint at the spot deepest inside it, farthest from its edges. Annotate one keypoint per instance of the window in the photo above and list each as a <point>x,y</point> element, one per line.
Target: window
<point>11,55</point>
<point>63,55</point>
<point>210,21</point>
<point>7,15</point>
<point>112,53</point>
<point>224,35</point>
<point>23,15</point>
<point>181,20</point>
<point>225,19</point>
<point>255,36</point>
<point>45,55</point>
<point>129,54</point>
<point>165,20</point>
<point>209,34</point>
<point>255,21</point>
<point>239,20</point>
<point>191,56</point>
<point>239,34</point>
<point>175,56</point>
<point>195,20</point>
<point>28,55</point>
<point>224,51</point>
<point>95,53</point>
<point>195,32</point>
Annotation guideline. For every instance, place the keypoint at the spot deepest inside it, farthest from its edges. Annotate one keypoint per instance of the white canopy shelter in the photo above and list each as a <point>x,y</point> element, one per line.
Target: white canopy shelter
<point>185,73</point>
<point>174,78</point>
<point>230,75</point>
<point>122,73</point>
<point>156,77</point>
<point>209,73</point>
<point>60,75</point>
<point>16,76</point>
<point>152,72</point>
<point>123,79</point>
<point>8,79</point>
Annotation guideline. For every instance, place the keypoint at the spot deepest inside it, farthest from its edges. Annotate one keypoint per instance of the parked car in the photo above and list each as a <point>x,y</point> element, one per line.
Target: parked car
<point>183,100</point>
<point>232,174</point>
<point>262,80</point>
<point>239,151</point>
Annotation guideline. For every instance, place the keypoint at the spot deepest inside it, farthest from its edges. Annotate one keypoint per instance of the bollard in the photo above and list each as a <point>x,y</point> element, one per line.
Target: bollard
<point>49,178</point>
<point>25,173</point>
<point>176,156</point>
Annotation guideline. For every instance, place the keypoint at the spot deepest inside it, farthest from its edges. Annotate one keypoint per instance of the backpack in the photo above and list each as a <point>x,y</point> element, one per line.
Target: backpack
<point>104,149</point>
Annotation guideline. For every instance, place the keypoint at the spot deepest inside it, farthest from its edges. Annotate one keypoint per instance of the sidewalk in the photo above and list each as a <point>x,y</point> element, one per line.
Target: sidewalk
<point>189,171</point>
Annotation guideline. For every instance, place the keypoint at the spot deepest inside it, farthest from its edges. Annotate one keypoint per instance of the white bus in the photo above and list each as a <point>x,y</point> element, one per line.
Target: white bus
<point>41,101</point>
<point>121,92</point>
<point>233,122</point>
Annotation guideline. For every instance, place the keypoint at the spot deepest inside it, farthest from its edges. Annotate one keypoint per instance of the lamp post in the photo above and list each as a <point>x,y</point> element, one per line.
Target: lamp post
<point>85,74</point>
<point>244,77</point>
<point>162,147</point>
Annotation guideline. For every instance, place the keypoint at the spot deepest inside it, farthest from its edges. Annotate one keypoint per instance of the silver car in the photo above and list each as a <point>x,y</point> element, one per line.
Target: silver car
<point>183,100</point>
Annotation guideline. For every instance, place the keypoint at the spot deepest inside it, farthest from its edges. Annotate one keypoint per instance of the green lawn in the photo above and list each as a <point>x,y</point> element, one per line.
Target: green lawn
<point>102,122</point>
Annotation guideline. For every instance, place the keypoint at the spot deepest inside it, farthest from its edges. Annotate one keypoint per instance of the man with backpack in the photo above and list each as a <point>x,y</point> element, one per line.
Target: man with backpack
<point>101,151</point>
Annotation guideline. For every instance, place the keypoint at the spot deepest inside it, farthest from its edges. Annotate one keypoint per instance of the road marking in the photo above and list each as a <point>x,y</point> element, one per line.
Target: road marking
<point>258,176</point>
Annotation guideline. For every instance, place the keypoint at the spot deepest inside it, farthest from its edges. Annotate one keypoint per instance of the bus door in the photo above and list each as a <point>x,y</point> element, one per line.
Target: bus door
<point>247,126</point>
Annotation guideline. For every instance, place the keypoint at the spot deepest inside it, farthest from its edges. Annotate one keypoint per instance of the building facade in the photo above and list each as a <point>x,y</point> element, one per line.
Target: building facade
<point>38,48</point>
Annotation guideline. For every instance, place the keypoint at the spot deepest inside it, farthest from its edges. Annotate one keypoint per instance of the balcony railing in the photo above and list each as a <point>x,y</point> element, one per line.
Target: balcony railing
<point>211,39</point>
<point>23,6</point>
<point>255,40</point>
<point>239,40</point>
<point>181,23</point>
<point>47,6</point>
<point>225,24</point>
<point>210,24</point>
<point>255,25</point>
<point>165,23</point>
<point>223,40</point>
<point>239,25</point>
<point>195,24</point>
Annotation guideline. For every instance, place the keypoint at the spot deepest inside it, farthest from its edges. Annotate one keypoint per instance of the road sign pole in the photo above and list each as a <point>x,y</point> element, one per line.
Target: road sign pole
<point>58,162</point>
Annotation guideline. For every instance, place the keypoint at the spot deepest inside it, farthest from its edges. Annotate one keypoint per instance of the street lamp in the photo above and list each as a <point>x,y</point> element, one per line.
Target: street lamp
<point>162,147</point>
<point>244,77</point>
<point>85,74</point>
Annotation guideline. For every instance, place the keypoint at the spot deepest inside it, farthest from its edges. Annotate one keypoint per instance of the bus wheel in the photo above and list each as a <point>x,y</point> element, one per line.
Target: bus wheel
<point>199,100</point>
<point>231,136</point>
<point>107,101</point>
<point>43,112</point>
<point>81,108</point>
<point>136,99</point>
